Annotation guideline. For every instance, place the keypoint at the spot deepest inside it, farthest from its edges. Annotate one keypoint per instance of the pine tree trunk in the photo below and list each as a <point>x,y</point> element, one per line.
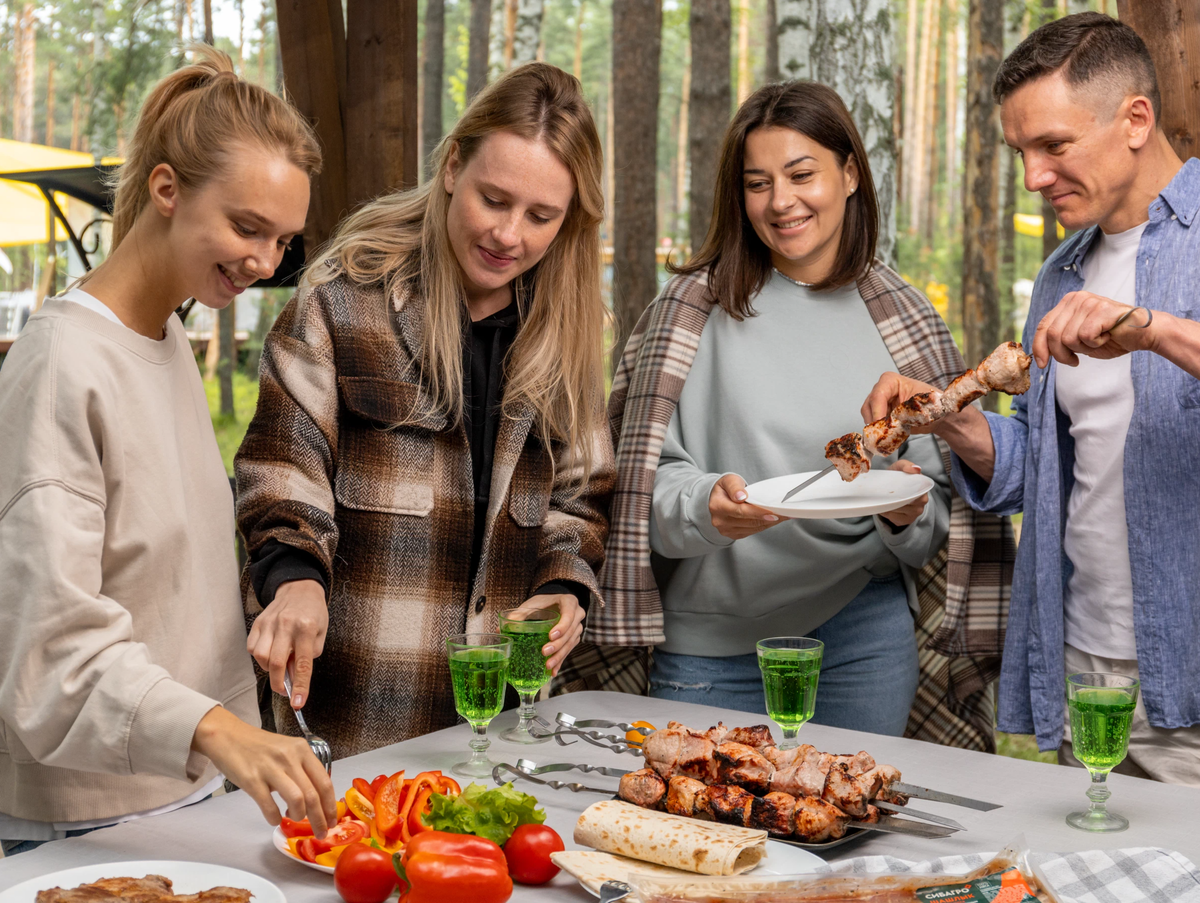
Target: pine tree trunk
<point>916,188</point>
<point>682,224</point>
<point>497,38</point>
<point>1171,30</point>
<point>951,106</point>
<point>851,52</point>
<point>435,55</point>
<point>610,176</point>
<point>771,36</point>
<point>980,296</point>
<point>745,82</point>
<point>577,69</point>
<point>637,45</point>
<point>50,103</point>
<point>510,31</point>
<point>477,47</point>
<point>23,65</point>
<point>929,214</point>
<point>208,22</point>
<point>528,34</point>
<point>708,111</point>
<point>912,34</point>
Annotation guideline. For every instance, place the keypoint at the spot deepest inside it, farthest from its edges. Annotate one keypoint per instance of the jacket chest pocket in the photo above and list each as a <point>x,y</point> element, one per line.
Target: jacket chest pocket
<point>529,494</point>
<point>386,451</point>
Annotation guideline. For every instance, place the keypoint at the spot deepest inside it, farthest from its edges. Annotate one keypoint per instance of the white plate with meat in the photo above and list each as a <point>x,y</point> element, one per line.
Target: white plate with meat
<point>183,877</point>
<point>873,492</point>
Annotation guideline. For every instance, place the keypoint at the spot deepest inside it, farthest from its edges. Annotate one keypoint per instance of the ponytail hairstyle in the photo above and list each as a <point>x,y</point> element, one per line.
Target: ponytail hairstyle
<point>190,121</point>
<point>401,243</point>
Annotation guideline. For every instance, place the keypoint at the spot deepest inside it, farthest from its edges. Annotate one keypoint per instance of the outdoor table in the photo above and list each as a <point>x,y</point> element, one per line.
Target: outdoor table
<point>229,830</point>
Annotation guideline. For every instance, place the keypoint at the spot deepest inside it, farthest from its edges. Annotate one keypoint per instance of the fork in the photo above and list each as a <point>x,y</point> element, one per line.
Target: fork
<point>319,747</point>
<point>611,891</point>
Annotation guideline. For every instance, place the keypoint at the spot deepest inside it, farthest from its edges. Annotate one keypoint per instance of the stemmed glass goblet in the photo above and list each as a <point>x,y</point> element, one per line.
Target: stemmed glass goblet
<point>478,669</point>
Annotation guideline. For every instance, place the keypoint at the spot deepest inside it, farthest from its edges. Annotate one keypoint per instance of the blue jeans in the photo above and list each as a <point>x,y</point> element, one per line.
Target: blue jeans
<point>868,673</point>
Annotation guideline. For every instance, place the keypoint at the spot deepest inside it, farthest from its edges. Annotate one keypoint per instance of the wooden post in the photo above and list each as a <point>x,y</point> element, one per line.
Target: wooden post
<point>1171,30</point>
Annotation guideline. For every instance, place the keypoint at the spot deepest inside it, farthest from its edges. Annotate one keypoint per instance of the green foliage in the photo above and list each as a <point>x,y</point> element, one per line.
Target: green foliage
<point>231,430</point>
<point>1022,746</point>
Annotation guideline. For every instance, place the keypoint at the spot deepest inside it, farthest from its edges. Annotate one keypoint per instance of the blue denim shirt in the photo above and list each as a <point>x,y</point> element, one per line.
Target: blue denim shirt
<point>1034,473</point>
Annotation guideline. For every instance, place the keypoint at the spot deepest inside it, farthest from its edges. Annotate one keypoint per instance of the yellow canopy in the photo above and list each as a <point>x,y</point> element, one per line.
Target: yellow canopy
<point>23,210</point>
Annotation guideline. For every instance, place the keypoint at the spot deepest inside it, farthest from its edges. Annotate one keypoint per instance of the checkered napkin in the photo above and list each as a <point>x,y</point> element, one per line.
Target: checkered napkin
<point>1138,875</point>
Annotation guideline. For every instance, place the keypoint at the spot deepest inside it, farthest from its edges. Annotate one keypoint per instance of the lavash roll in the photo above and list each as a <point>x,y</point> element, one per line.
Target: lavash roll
<point>708,848</point>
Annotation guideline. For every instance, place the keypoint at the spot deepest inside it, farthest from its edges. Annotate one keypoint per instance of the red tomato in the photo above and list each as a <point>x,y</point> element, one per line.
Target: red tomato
<point>295,828</point>
<point>365,789</point>
<point>364,874</point>
<point>344,832</point>
<point>528,854</point>
<point>307,849</point>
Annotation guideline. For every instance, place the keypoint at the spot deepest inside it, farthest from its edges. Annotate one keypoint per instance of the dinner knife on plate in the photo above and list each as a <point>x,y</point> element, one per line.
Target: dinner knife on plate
<point>809,482</point>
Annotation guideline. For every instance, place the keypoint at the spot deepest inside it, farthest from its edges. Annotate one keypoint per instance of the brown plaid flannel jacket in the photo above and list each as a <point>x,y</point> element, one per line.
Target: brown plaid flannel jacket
<point>387,512</point>
<point>963,592</point>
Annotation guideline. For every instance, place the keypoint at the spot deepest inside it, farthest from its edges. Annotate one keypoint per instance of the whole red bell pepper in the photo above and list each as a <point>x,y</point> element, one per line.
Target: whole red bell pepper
<point>437,866</point>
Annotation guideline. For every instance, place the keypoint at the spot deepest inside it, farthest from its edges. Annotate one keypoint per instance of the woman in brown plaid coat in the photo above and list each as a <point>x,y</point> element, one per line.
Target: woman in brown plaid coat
<point>429,447</point>
<point>753,357</point>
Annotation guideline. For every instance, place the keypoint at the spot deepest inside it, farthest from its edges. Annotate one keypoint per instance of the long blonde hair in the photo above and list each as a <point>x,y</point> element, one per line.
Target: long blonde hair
<point>192,118</point>
<point>401,242</point>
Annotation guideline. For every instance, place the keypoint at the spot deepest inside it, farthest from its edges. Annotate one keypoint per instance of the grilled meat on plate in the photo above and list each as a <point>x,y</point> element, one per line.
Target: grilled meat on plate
<point>773,813</point>
<point>689,797</point>
<point>680,751</point>
<point>817,820</point>
<point>730,804</point>
<point>759,737</point>
<point>746,767</point>
<point>642,788</point>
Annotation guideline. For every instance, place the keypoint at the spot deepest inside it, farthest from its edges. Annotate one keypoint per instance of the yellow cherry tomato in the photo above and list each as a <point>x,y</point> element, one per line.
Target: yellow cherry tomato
<point>639,732</point>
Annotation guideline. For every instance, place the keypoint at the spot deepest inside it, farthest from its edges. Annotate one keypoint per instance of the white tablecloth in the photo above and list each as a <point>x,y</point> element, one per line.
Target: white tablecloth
<point>229,830</point>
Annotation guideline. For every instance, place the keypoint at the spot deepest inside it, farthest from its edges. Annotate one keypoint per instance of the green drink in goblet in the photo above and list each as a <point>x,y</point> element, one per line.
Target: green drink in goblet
<point>1101,706</point>
<point>478,670</point>
<point>527,671</point>
<point>790,668</point>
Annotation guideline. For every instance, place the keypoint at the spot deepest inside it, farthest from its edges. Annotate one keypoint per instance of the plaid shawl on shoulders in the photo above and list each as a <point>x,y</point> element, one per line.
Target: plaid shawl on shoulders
<point>963,593</point>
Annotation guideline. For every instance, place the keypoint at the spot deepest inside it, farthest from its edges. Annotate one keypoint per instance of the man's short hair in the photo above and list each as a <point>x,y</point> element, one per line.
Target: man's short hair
<point>1089,48</point>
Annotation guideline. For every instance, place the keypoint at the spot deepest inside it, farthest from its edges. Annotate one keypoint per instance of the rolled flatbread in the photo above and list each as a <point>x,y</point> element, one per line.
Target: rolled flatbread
<point>703,847</point>
<point>592,868</point>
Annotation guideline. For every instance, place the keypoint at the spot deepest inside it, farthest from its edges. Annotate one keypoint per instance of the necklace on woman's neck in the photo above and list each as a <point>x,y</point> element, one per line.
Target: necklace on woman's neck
<point>791,280</point>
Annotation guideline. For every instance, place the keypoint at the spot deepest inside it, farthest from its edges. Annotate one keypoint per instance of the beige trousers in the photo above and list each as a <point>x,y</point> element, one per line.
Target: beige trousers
<point>1170,756</point>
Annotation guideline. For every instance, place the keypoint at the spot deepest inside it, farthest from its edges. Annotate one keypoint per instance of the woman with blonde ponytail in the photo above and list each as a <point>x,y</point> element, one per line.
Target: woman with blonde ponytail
<point>125,689</point>
<point>430,445</point>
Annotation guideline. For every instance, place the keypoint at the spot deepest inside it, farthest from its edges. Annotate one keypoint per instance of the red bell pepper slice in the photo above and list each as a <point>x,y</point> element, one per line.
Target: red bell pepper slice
<point>387,806</point>
<point>421,807</point>
<point>447,786</point>
<point>307,849</point>
<point>365,788</point>
<point>421,781</point>
<point>292,828</point>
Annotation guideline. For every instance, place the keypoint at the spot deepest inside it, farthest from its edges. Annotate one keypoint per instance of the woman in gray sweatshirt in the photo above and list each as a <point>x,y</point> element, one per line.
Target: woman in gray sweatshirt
<point>783,362</point>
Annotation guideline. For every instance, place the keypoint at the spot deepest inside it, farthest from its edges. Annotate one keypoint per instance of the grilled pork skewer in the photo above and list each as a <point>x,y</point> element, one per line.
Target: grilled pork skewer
<point>1006,370</point>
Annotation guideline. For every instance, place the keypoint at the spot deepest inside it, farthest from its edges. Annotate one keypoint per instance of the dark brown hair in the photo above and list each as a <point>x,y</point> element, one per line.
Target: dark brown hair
<point>737,261</point>
<point>1087,47</point>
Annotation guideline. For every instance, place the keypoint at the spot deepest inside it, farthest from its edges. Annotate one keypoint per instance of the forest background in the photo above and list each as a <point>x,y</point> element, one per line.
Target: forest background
<point>74,72</point>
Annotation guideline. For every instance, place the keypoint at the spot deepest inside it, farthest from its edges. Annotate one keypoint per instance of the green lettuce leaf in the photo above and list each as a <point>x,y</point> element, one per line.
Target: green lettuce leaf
<point>493,814</point>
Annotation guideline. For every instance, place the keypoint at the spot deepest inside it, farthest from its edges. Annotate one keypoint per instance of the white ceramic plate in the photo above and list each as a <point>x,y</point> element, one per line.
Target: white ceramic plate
<point>280,840</point>
<point>186,877</point>
<point>874,492</point>
<point>781,859</point>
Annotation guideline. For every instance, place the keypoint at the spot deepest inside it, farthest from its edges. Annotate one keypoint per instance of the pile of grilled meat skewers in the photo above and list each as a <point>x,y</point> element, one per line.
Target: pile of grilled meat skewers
<point>741,777</point>
<point>1006,369</point>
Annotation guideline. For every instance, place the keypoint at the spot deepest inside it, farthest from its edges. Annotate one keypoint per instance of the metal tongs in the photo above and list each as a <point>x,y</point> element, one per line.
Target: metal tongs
<point>569,726</point>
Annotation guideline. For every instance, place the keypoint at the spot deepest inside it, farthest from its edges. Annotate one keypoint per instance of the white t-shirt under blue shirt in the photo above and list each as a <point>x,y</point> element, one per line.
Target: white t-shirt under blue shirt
<point>1097,396</point>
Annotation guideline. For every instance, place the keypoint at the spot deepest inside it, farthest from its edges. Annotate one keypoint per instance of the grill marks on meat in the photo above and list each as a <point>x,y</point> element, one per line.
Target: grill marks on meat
<point>850,793</point>
<point>773,813</point>
<point>678,751</point>
<point>817,820</point>
<point>643,788</point>
<point>1006,370</point>
<point>689,797</point>
<point>746,767</point>
<point>758,737</point>
<point>730,804</point>
<point>849,456</point>
<point>150,889</point>
<point>884,436</point>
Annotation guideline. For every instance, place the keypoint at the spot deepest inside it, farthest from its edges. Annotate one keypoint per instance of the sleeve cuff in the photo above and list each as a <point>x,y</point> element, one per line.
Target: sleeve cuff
<point>697,510</point>
<point>910,541</point>
<point>277,563</point>
<point>160,737</point>
<point>566,587</point>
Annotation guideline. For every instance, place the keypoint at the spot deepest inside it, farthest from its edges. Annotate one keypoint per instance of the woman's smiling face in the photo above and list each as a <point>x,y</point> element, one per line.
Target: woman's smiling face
<point>795,193</point>
<point>507,204</point>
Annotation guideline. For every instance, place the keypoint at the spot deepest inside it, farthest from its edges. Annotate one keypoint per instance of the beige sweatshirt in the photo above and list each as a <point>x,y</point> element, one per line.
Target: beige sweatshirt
<point>120,619</point>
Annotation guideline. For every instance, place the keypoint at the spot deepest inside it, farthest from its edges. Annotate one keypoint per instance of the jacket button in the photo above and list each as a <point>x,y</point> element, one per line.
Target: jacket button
<point>479,603</point>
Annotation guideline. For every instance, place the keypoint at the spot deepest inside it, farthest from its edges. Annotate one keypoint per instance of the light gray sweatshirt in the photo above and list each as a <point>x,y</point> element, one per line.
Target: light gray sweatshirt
<point>762,398</point>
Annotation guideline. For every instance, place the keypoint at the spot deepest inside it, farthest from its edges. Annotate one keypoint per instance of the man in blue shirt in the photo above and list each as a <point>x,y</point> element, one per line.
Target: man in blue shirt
<point>1103,453</point>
